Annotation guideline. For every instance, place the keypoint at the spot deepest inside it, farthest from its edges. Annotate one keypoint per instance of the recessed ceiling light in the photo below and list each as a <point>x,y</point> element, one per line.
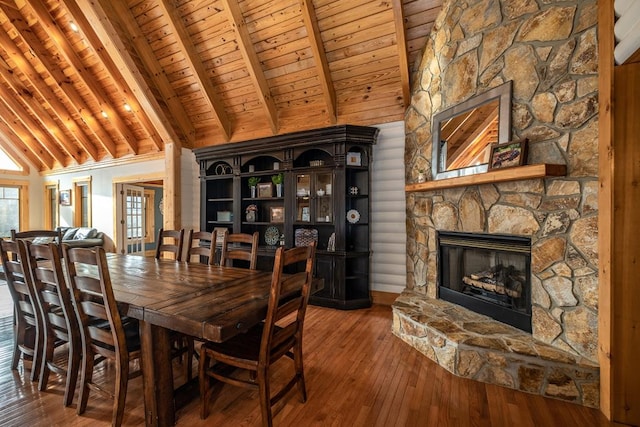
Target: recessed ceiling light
<point>74,27</point>
<point>127,107</point>
<point>104,114</point>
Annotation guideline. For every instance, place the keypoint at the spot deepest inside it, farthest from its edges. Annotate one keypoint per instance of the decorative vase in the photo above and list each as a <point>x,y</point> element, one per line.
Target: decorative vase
<point>279,190</point>
<point>253,192</point>
<point>251,216</point>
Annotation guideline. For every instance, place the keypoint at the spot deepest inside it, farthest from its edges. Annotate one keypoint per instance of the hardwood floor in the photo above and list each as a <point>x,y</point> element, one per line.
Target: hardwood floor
<point>357,372</point>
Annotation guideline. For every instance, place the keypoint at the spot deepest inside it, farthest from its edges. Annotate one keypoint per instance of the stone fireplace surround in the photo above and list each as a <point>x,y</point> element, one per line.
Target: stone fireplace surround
<point>549,52</point>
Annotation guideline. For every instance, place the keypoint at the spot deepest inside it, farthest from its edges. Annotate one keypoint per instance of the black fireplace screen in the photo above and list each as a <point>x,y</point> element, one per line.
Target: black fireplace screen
<point>489,274</point>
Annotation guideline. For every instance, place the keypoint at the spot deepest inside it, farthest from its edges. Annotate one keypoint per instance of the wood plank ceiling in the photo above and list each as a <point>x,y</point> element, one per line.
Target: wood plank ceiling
<point>84,81</point>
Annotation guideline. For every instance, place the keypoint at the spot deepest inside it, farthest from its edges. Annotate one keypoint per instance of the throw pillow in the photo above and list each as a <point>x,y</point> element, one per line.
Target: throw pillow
<point>85,233</point>
<point>69,233</point>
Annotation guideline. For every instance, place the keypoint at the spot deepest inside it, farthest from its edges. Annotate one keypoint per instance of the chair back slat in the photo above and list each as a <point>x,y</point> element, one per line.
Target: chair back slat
<point>240,246</point>
<point>173,246</point>
<point>200,250</point>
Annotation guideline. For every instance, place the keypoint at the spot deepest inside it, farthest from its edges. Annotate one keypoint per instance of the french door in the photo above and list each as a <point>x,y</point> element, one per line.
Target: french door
<point>131,219</point>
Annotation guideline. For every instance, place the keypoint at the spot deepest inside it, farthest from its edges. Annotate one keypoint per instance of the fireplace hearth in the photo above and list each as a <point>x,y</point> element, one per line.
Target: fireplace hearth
<point>487,273</point>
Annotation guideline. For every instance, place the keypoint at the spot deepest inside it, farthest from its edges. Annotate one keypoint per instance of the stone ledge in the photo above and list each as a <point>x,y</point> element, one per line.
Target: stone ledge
<point>474,346</point>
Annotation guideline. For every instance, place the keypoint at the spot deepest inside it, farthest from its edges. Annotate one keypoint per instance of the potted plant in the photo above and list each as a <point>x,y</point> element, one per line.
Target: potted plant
<point>253,181</point>
<point>278,180</point>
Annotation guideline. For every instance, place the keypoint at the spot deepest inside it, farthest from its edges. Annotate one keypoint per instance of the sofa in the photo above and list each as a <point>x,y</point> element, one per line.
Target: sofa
<point>82,237</point>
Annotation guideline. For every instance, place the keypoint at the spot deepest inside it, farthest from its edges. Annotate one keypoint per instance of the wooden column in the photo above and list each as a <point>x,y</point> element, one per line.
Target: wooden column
<point>172,182</point>
<point>618,228</point>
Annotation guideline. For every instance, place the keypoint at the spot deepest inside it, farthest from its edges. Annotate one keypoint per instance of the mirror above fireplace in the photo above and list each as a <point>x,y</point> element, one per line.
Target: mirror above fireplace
<point>463,134</point>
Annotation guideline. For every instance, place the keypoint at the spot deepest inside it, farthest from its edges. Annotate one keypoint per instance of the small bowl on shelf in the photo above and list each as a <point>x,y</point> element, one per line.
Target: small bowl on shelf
<point>320,192</point>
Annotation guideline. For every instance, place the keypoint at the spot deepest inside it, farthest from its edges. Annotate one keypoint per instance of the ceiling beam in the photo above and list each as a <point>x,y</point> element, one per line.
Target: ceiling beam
<point>100,23</point>
<point>69,92</point>
<point>88,33</point>
<point>23,136</point>
<point>243,39</point>
<point>41,15</point>
<point>155,70</point>
<point>32,126</point>
<point>403,55</point>
<point>183,39</point>
<point>17,90</point>
<point>35,106</point>
<point>322,65</point>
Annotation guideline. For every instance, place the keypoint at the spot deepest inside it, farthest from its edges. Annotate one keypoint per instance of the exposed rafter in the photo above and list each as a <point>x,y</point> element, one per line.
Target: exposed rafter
<point>243,39</point>
<point>200,73</point>
<point>66,50</point>
<point>156,73</point>
<point>317,47</point>
<point>32,127</point>
<point>69,92</point>
<point>100,23</point>
<point>403,56</point>
<point>16,127</point>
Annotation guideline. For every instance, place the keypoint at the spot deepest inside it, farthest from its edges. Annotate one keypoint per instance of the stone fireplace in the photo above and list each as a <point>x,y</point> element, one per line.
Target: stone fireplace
<point>549,52</point>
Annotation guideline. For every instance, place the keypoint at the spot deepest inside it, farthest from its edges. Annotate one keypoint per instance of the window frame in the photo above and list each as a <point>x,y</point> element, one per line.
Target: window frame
<point>78,184</point>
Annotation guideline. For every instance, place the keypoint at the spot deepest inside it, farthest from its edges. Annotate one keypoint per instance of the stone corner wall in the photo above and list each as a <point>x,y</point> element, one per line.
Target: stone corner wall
<point>549,51</point>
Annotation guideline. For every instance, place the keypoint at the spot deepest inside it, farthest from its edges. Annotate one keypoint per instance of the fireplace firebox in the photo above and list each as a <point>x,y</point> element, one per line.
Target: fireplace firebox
<point>487,273</point>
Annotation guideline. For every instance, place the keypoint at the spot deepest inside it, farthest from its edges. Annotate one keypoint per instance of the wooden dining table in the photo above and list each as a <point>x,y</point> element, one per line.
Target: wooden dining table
<point>208,302</point>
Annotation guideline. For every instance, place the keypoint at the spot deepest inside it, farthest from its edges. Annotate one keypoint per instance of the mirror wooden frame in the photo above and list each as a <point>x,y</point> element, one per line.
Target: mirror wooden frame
<point>503,94</point>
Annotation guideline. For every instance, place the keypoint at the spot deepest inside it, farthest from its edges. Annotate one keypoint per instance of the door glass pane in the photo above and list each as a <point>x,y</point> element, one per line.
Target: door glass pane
<point>303,186</point>
<point>323,187</point>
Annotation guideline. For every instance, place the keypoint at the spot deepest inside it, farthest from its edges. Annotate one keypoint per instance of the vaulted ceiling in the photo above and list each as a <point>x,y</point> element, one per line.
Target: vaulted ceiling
<point>84,81</point>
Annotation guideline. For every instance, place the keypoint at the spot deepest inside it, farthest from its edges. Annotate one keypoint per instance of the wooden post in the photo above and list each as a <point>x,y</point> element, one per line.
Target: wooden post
<point>172,182</point>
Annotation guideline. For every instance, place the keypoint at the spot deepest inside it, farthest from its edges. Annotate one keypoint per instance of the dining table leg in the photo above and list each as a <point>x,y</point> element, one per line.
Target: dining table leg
<point>157,375</point>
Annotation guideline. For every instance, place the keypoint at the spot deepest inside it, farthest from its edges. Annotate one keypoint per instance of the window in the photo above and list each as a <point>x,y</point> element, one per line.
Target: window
<point>51,205</point>
<point>8,164</point>
<point>82,202</point>
<point>13,206</point>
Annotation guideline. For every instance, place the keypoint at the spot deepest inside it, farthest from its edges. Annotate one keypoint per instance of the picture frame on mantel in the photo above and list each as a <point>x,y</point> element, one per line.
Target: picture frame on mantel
<point>508,155</point>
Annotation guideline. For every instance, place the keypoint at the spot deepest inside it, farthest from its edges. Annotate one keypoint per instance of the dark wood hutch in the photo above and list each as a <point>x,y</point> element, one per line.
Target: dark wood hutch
<point>324,196</point>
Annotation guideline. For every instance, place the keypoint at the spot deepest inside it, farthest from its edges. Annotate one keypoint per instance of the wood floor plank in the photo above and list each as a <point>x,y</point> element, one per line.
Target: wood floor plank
<point>358,374</point>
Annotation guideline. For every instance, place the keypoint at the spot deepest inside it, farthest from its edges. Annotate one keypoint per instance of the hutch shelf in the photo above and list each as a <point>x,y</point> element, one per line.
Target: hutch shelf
<point>323,195</point>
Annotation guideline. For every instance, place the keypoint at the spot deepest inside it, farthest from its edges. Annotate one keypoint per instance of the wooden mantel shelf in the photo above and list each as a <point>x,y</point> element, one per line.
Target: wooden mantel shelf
<point>501,175</point>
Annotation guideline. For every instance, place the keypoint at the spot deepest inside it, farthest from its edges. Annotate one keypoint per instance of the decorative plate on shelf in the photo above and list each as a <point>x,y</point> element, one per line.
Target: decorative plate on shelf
<point>271,236</point>
<point>353,216</point>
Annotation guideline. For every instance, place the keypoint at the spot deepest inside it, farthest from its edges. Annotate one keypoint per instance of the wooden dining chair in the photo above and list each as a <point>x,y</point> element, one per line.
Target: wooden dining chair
<point>28,338</point>
<point>195,246</point>
<point>174,248</point>
<point>60,325</point>
<point>240,246</point>
<point>280,334</point>
<point>104,333</point>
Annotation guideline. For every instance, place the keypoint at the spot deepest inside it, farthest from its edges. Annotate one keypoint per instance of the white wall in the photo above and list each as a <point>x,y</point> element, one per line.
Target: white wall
<point>102,187</point>
<point>388,214</point>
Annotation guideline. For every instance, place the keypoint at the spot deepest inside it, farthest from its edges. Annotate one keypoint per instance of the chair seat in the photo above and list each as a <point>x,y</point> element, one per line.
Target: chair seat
<point>131,333</point>
<point>246,347</point>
